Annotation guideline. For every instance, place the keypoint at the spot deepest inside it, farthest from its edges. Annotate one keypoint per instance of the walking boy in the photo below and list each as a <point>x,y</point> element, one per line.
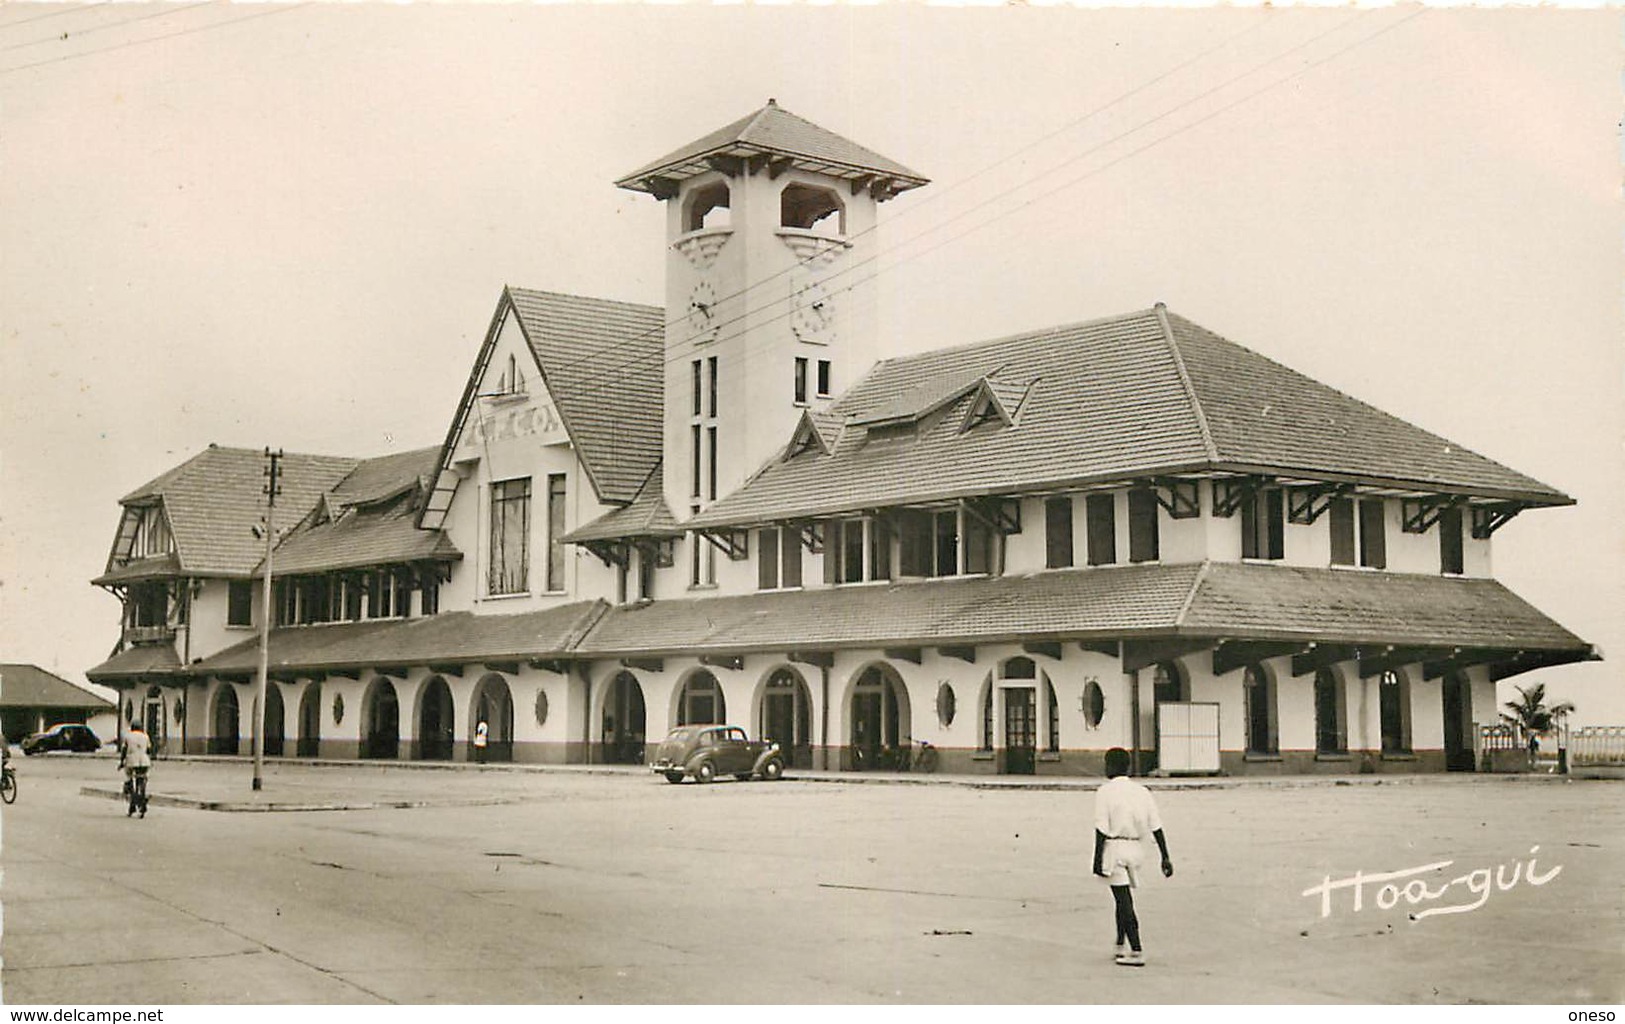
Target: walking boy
<point>1124,814</point>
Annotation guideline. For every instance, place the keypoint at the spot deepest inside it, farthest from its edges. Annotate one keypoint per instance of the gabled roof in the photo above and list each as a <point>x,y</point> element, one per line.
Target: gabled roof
<point>375,524</point>
<point>23,686</point>
<point>1137,395</point>
<point>819,428</point>
<point>215,499</point>
<point>774,131</point>
<point>385,477</point>
<point>647,516</point>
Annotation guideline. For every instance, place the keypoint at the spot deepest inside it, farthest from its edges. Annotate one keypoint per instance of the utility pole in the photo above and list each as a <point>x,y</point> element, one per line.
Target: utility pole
<point>273,487</point>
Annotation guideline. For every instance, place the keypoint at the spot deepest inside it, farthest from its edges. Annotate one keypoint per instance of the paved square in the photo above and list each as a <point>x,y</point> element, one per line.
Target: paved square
<point>623,889</point>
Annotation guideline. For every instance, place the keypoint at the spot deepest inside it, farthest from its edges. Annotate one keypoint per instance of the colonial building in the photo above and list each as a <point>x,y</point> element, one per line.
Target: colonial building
<point>1128,531</point>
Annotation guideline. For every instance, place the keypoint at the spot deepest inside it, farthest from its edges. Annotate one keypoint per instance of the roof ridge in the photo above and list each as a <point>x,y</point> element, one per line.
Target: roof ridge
<point>1028,335</point>
<point>647,307</point>
<point>1190,598</point>
<point>1185,382</point>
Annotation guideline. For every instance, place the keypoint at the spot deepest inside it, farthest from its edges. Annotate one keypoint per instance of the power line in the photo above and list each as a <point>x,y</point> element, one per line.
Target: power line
<point>65,36</point>
<point>156,39</point>
<point>54,14</point>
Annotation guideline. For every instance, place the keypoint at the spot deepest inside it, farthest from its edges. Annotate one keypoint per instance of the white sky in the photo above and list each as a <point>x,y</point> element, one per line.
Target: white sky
<point>291,228</point>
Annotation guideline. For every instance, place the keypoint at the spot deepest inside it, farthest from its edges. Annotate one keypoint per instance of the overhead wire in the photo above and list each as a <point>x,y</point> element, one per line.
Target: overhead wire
<point>65,36</point>
<point>279,9</point>
<point>75,9</point>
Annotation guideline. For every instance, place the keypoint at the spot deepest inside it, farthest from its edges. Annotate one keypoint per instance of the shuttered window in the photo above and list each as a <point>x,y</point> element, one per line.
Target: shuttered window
<point>1058,533</point>
<point>1142,526</point>
<point>1373,542</point>
<point>1101,512</point>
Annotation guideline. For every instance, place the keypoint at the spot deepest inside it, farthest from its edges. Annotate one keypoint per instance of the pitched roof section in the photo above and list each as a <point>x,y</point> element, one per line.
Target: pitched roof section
<point>1142,394</point>
<point>602,363</point>
<point>31,686</point>
<point>215,499</point>
<point>1261,413</point>
<point>141,660</point>
<point>385,477</point>
<point>647,516</point>
<point>451,637</point>
<point>774,131</point>
<point>384,534</point>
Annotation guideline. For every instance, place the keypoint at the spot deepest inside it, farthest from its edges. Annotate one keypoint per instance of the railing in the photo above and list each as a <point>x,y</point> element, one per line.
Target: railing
<point>1498,737</point>
<point>1597,745</point>
<point>148,634</point>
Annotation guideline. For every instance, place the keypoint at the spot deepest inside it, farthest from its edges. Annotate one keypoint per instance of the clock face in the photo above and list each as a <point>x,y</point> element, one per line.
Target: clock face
<point>812,317</point>
<point>702,310</point>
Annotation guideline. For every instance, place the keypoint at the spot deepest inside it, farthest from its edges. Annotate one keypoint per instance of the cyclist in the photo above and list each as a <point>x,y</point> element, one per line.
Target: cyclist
<point>136,759</point>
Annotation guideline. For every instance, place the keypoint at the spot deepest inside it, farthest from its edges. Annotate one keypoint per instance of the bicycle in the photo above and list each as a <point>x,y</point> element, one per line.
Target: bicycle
<point>8,783</point>
<point>135,788</point>
<point>926,759</point>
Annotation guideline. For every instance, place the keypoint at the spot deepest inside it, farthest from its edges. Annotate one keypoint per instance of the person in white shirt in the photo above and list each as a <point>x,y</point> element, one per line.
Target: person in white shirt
<point>136,759</point>
<point>1125,814</point>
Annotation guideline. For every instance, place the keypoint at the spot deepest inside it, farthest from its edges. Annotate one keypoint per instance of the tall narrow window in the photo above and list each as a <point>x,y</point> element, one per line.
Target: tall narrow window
<point>1451,558</point>
<point>1058,533</point>
<point>698,387</point>
<point>695,542</point>
<point>1395,700</point>
<point>510,536</point>
<point>353,594</point>
<point>790,542</point>
<point>1341,515</point>
<point>1259,689</point>
<point>696,463</point>
<point>1101,512</point>
<point>1142,526</point>
<point>555,530</point>
<point>801,381</point>
<point>430,589</point>
<point>947,543</point>
<point>852,551</point>
<point>978,545</point>
<point>879,549</point>
<point>646,574</point>
<point>767,559</point>
<point>825,384</point>
<point>1263,525</point>
<point>240,603</point>
<point>1373,542</point>
<point>711,385</point>
<point>711,463</point>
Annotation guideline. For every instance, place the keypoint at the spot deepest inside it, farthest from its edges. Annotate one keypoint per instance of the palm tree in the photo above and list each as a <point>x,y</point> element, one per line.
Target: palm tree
<point>1530,713</point>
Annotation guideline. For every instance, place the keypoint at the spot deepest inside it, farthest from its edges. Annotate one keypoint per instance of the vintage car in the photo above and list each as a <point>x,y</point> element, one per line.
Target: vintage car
<point>706,751</point>
<point>62,737</point>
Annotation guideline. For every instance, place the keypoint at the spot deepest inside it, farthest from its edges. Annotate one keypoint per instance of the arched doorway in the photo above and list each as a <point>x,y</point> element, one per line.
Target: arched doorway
<point>700,700</point>
<point>880,720</point>
<point>786,716</point>
<point>1258,689</point>
<point>1458,723</point>
<point>156,725</point>
<point>223,731</point>
<point>435,721</point>
<point>275,728</point>
<point>381,722</point>
<point>624,721</point>
<point>493,705</point>
<point>1018,680</point>
<point>310,721</point>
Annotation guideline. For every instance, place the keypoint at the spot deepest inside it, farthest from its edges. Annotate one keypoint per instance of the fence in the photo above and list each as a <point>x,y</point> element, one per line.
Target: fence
<point>1597,745</point>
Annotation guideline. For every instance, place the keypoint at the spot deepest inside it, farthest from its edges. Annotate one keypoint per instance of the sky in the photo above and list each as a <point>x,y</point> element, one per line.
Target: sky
<point>288,225</point>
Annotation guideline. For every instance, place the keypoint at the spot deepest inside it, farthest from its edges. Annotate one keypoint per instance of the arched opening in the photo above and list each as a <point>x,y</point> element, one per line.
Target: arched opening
<point>493,705</point>
<point>1259,690</point>
<point>436,721</point>
<point>707,208</point>
<point>381,721</point>
<point>1394,700</point>
<point>879,713</point>
<point>1169,685</point>
<point>812,209</point>
<point>624,724</point>
<point>155,723</point>
<point>786,716</point>
<point>275,728</point>
<point>1458,723</point>
<point>223,721</point>
<point>700,701</point>
<point>1331,726</point>
<point>310,721</point>
<point>984,741</point>
<point>1018,679</point>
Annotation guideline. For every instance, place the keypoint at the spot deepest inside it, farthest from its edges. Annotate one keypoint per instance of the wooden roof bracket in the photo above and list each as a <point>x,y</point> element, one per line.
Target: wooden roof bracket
<point>660,188</point>
<point>610,552</point>
<point>1234,654</point>
<point>1304,505</point>
<point>734,543</point>
<point>557,666</point>
<point>1003,515</point>
<point>966,654</point>
<point>730,166</point>
<point>644,664</point>
<point>734,662</point>
<point>819,659</point>
<point>1419,514</point>
<point>1489,518</point>
<point>1178,495</point>
<point>446,668</point>
<point>1049,649</point>
<point>1230,492</point>
<point>908,654</point>
<point>812,535</point>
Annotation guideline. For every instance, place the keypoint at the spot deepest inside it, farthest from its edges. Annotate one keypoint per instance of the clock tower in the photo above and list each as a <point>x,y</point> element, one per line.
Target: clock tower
<point>770,303</point>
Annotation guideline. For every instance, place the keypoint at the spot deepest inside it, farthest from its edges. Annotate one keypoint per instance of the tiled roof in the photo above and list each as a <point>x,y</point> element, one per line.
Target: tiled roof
<point>1338,605</point>
<point>1262,413</point>
<point>647,516</point>
<point>602,364</point>
<point>151,567</point>
<point>215,499</point>
<point>369,536</point>
<point>451,637</point>
<point>1129,396</point>
<point>775,131</point>
<point>144,659</point>
<point>386,476</point>
<point>24,686</point>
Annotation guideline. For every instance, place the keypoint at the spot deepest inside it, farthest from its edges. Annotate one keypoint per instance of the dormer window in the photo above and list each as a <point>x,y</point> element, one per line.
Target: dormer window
<point>812,209</point>
<point>152,536</point>
<point>707,208</point>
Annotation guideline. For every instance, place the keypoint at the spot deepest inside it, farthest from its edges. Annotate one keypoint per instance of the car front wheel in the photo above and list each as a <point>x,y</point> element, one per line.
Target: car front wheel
<point>674,777</point>
<point>705,772</point>
<point>773,770</point>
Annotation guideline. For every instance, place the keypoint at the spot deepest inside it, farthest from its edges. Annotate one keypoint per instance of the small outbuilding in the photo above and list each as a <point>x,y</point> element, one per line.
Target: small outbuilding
<point>32,700</point>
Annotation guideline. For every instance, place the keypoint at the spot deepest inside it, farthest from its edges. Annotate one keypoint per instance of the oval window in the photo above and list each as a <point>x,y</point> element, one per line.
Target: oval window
<point>338,709</point>
<point>945,705</point>
<point>1094,704</point>
<point>180,711</point>
<point>541,707</point>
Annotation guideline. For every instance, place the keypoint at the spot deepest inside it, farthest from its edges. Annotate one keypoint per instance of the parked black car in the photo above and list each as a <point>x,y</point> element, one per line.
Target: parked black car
<point>62,737</point>
<point>706,751</point>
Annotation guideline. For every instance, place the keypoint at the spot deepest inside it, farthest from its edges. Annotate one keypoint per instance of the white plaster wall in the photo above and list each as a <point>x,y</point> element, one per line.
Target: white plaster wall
<point>1181,541</point>
<point>1306,545</point>
<point>1025,552</point>
<point>1409,552</point>
<point>1427,710</point>
<point>1475,554</point>
<point>1223,535</point>
<point>208,632</point>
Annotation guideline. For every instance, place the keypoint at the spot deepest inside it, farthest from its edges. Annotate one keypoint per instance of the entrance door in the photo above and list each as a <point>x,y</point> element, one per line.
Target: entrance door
<point>1020,731</point>
<point>624,721</point>
<point>1458,718</point>
<point>273,720</point>
<point>866,730</point>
